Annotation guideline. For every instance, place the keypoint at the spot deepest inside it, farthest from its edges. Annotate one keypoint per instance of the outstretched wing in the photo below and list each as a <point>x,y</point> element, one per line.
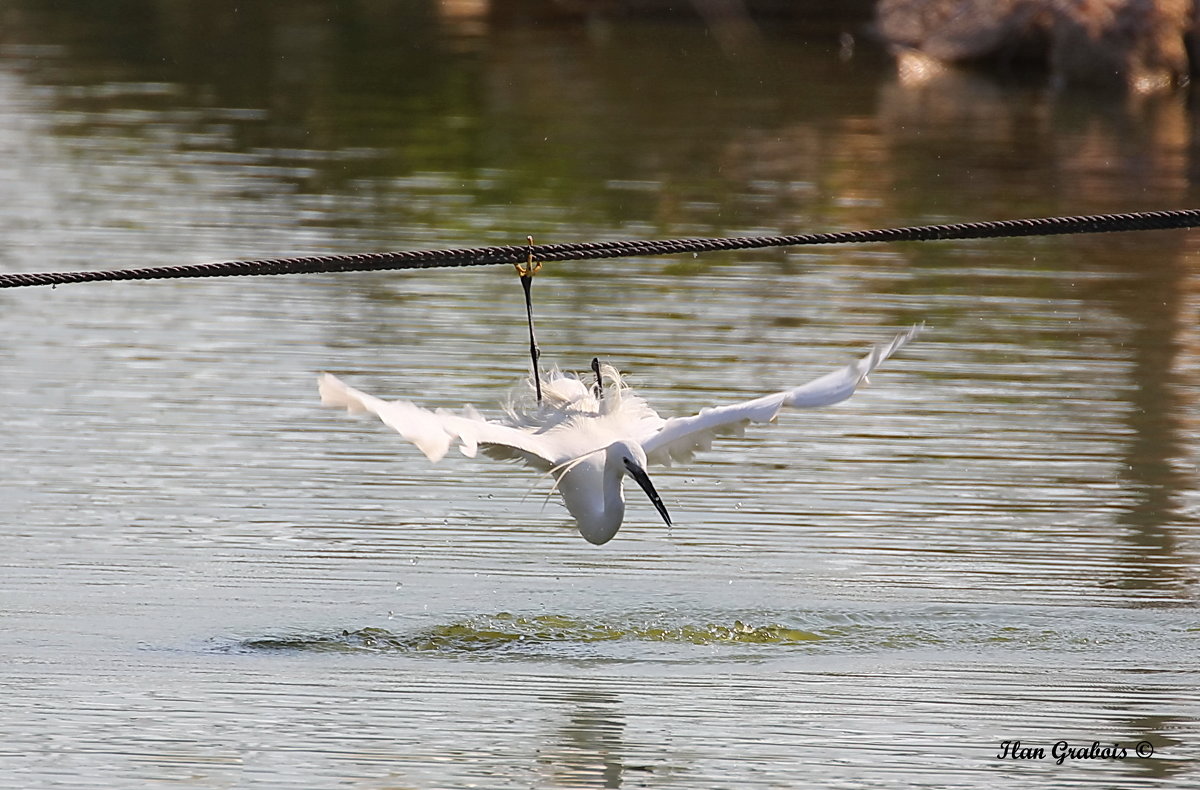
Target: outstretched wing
<point>680,437</point>
<point>434,431</point>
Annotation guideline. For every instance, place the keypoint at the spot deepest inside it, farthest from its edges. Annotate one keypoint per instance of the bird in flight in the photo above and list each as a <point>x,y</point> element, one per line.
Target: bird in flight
<point>589,437</point>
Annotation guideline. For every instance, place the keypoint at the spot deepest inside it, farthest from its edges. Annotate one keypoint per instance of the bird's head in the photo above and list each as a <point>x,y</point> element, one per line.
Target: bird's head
<point>633,462</point>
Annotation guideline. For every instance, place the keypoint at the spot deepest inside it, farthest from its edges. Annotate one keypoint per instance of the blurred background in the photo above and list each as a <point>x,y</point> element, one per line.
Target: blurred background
<point>355,125</point>
<point>209,581</point>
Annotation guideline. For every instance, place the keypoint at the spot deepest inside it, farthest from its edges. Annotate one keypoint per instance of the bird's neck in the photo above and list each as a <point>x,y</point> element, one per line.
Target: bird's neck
<point>605,522</point>
<point>614,492</point>
<point>599,527</point>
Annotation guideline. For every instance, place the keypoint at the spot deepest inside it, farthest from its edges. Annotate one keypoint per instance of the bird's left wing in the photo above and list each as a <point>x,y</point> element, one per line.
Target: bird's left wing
<point>680,437</point>
<point>433,431</point>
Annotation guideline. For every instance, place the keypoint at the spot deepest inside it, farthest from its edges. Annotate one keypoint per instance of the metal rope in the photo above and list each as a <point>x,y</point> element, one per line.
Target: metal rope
<point>578,251</point>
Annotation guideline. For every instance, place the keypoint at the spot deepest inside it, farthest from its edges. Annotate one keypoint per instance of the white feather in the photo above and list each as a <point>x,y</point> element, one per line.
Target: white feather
<point>679,438</point>
<point>567,431</point>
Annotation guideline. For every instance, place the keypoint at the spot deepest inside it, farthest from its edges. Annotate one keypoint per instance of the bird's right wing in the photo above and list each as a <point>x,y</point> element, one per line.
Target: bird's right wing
<point>433,431</point>
<point>680,437</point>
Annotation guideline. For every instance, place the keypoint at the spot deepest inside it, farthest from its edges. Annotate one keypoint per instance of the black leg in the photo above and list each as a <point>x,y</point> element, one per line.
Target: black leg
<point>527,271</point>
<point>534,352</point>
<point>599,389</point>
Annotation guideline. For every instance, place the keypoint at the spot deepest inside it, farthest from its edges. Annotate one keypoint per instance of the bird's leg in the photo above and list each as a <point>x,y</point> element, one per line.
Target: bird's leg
<point>526,272</point>
<point>599,389</point>
<point>535,353</point>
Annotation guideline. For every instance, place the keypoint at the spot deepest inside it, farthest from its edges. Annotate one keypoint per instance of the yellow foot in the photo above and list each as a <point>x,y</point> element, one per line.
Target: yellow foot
<point>529,268</point>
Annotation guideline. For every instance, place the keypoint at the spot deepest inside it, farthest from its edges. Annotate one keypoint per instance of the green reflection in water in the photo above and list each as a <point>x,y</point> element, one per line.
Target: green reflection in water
<point>504,630</point>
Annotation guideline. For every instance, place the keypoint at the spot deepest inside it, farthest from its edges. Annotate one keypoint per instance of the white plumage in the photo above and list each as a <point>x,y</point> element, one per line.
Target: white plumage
<point>591,442</point>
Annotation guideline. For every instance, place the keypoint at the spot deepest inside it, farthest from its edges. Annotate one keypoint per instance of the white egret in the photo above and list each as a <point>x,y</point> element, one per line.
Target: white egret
<point>591,437</point>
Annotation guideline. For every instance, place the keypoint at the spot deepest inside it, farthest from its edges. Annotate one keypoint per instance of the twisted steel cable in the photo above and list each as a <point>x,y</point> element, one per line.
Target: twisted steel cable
<point>579,251</point>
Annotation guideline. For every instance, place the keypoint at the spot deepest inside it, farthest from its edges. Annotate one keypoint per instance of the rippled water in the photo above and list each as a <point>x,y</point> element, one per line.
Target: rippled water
<point>210,581</point>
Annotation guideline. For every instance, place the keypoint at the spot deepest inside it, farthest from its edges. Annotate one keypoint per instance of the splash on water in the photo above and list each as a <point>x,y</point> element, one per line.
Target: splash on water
<point>504,630</point>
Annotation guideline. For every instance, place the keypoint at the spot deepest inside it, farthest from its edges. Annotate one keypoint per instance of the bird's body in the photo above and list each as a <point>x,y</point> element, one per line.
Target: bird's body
<point>591,437</point>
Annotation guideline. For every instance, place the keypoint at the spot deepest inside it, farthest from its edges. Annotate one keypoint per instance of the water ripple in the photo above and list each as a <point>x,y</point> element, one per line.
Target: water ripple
<point>506,631</point>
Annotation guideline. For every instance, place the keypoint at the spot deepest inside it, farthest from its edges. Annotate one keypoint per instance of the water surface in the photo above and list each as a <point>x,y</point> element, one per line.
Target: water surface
<point>210,581</point>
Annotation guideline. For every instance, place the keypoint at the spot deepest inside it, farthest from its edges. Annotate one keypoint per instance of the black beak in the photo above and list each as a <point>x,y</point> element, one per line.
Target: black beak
<point>639,475</point>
